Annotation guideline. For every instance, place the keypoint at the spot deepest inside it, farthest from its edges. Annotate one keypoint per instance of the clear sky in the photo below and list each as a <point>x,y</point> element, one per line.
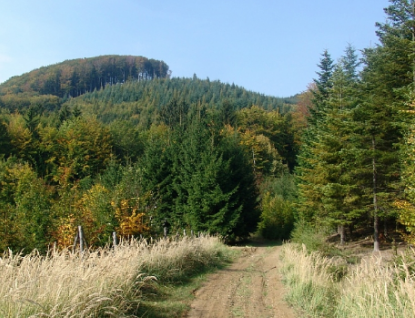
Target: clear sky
<point>267,46</point>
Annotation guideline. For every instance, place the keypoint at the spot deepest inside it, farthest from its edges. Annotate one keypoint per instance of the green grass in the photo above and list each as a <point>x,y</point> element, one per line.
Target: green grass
<point>170,299</point>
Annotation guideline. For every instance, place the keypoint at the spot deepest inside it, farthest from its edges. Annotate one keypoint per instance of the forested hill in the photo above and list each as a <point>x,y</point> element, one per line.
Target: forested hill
<point>125,157</point>
<point>78,76</point>
<point>147,98</point>
<point>123,87</point>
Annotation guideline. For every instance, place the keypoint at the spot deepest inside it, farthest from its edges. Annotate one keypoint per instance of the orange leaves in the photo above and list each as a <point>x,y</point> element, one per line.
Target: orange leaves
<point>66,231</point>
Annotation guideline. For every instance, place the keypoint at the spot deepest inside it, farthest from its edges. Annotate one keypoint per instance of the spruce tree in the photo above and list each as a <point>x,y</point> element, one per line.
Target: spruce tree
<point>327,191</point>
<point>309,196</point>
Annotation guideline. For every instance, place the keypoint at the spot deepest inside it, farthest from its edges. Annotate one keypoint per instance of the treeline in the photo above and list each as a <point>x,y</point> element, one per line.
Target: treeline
<point>142,101</point>
<point>356,161</point>
<point>76,77</point>
<point>206,166</point>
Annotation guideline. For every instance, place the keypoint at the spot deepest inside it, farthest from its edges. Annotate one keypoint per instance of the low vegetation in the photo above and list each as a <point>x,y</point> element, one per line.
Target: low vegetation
<point>333,287</point>
<point>103,283</point>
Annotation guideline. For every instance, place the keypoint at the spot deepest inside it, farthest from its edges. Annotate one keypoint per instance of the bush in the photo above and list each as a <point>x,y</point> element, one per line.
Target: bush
<point>314,239</point>
<point>277,218</point>
<point>277,203</point>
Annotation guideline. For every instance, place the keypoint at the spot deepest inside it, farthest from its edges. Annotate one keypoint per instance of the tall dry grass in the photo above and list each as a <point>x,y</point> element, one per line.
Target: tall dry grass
<point>374,288</point>
<point>377,288</point>
<point>101,283</point>
<point>311,286</point>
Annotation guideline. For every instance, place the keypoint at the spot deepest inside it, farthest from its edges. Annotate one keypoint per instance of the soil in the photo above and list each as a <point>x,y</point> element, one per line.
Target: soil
<point>250,287</point>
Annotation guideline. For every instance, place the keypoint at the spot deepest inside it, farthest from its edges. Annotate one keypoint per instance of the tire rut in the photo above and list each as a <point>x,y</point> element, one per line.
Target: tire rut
<point>250,287</point>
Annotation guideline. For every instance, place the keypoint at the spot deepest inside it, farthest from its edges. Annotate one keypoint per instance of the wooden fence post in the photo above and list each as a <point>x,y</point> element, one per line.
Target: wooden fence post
<point>74,241</point>
<point>81,239</point>
<point>114,239</point>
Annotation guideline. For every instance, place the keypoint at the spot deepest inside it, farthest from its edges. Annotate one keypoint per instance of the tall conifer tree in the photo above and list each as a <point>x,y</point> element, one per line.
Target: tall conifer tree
<point>388,76</point>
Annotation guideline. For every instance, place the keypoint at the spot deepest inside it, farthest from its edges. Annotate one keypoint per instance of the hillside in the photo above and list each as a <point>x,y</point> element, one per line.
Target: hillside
<point>122,154</point>
<point>122,87</point>
<point>72,78</point>
<point>142,100</point>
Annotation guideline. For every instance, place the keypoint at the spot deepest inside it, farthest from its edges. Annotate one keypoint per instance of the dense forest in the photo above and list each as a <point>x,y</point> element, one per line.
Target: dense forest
<point>132,155</point>
<point>115,144</point>
<point>355,167</point>
<point>75,77</point>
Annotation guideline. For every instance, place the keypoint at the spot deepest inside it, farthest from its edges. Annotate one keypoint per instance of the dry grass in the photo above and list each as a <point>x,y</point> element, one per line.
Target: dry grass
<point>102,283</point>
<point>374,288</point>
<point>311,286</point>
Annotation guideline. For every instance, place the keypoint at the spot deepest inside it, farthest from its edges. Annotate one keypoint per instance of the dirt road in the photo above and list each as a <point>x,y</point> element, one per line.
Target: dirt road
<point>250,287</point>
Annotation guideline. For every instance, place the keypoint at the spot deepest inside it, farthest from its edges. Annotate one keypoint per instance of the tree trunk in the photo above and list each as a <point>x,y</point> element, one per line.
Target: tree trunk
<point>413,48</point>
<point>375,202</point>
<point>340,230</point>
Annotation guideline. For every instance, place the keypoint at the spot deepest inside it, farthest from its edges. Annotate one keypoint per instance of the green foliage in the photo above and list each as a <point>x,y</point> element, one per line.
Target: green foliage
<point>348,163</point>
<point>327,171</point>
<point>24,208</point>
<point>202,181</point>
<point>75,77</point>
<point>5,140</point>
<point>124,157</point>
<point>277,218</point>
<point>83,147</point>
<point>22,101</point>
<point>127,140</point>
<point>168,100</point>
<point>277,207</point>
<point>313,238</point>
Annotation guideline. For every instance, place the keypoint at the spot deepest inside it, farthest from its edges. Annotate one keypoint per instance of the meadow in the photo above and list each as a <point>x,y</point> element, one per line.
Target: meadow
<point>376,286</point>
<point>107,282</point>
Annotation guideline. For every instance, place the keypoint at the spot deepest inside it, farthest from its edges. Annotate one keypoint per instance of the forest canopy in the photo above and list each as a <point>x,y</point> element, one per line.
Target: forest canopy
<point>72,78</point>
<point>133,150</point>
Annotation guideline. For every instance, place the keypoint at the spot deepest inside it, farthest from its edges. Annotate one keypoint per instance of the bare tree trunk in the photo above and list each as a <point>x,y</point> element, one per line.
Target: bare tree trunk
<point>81,239</point>
<point>375,202</point>
<point>340,230</point>
<point>413,47</point>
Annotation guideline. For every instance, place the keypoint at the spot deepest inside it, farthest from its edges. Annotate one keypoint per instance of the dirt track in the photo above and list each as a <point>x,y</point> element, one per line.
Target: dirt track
<point>250,287</point>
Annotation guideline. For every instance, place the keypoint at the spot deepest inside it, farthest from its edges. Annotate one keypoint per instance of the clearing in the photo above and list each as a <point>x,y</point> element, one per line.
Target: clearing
<point>250,287</point>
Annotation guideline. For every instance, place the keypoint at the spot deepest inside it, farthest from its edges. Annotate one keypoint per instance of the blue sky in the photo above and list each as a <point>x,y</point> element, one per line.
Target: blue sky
<point>267,46</point>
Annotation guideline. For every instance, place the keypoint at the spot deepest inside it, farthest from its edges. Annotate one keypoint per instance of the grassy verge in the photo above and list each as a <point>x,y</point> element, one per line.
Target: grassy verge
<point>135,279</point>
<point>330,287</point>
<point>180,272</point>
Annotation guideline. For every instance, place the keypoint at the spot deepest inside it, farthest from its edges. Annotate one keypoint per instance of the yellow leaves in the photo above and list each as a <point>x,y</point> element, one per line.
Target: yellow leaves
<point>20,136</point>
<point>133,224</point>
<point>264,154</point>
<point>406,212</point>
<point>258,120</point>
<point>227,130</point>
<point>82,146</point>
<point>93,208</point>
<point>130,219</point>
<point>66,231</point>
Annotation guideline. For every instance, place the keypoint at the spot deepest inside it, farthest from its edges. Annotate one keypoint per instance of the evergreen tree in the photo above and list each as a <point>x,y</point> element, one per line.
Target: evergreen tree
<point>327,191</point>
<point>5,141</point>
<point>202,180</point>
<point>309,197</point>
<point>323,84</point>
<point>388,76</point>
